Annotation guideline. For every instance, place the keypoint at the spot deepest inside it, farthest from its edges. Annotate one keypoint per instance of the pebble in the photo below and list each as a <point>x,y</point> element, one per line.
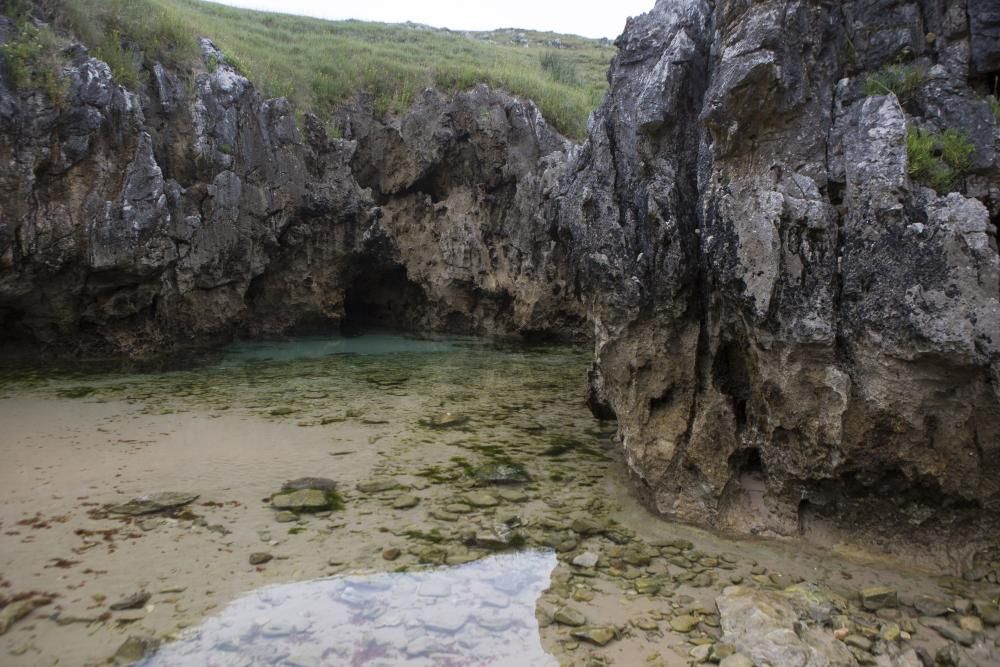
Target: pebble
<point>405,502</point>
<point>599,635</point>
<point>684,623</point>
<point>586,559</point>
<point>390,553</point>
<point>260,557</point>
<point>285,517</point>
<point>874,598</point>
<point>569,616</point>
<point>736,660</point>
<point>481,499</point>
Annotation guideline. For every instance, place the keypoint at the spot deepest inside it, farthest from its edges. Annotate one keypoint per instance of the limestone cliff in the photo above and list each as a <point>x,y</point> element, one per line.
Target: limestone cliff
<point>140,222</point>
<point>796,336</point>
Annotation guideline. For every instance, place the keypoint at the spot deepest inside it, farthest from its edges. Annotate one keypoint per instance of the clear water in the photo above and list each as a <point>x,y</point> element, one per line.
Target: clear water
<point>481,613</point>
<point>429,415</point>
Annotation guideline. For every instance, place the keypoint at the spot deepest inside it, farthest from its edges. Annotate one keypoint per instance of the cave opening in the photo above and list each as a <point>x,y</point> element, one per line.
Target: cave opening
<point>382,298</point>
<point>731,376</point>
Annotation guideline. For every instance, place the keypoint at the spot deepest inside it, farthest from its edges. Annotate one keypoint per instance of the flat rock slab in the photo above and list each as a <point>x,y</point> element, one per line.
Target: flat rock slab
<point>303,500</point>
<point>321,483</point>
<point>156,502</point>
<point>377,486</point>
<point>133,601</point>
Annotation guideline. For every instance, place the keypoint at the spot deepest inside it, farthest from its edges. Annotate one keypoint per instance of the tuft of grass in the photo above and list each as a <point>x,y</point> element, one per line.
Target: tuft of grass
<point>32,55</point>
<point>320,64</point>
<point>938,160</point>
<point>994,106</point>
<point>899,79</point>
<point>561,69</point>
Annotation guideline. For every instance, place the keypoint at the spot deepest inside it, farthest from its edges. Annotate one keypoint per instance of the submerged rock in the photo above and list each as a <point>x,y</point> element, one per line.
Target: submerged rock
<point>156,502</point>
<point>135,649</point>
<point>445,420</point>
<point>495,474</point>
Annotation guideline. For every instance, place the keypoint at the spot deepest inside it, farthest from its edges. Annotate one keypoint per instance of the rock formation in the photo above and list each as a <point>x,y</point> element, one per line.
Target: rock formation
<point>797,336</point>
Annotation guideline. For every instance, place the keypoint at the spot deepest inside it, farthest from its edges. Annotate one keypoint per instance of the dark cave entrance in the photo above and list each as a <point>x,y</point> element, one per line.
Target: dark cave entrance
<point>382,298</point>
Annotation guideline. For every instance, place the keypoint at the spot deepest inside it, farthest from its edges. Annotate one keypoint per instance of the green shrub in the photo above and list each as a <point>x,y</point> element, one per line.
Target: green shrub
<point>938,160</point>
<point>33,57</point>
<point>899,79</point>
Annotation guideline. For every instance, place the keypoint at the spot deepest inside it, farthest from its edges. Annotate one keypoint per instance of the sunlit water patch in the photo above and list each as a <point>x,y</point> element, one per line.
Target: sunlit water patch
<point>481,613</point>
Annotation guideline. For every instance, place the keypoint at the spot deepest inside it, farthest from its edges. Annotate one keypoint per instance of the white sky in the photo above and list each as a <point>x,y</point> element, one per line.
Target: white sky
<point>599,19</point>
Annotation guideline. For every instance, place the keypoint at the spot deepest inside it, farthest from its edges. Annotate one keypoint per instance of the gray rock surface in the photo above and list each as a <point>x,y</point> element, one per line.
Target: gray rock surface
<point>797,338</point>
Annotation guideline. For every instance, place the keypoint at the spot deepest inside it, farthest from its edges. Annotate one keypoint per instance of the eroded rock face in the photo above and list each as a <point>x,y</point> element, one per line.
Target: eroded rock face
<point>795,336</point>
<point>137,223</point>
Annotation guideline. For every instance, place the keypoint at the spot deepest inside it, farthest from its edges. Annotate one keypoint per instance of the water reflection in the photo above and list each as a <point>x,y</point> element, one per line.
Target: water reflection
<point>482,613</point>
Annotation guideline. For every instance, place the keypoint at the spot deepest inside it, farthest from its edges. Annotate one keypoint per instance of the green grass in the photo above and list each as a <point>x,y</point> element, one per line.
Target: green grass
<point>33,54</point>
<point>938,160</point>
<point>319,64</point>
<point>899,79</point>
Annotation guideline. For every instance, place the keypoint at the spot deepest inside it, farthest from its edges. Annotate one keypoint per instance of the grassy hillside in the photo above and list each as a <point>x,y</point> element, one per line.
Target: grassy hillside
<point>318,64</point>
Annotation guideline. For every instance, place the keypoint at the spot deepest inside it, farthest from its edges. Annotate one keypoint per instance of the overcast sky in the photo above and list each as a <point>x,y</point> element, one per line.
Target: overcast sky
<point>599,19</point>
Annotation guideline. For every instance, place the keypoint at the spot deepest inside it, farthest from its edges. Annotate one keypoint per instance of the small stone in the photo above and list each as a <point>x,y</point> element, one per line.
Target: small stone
<point>586,559</point>
<point>890,632</point>
<point>15,611</point>
<point>987,611</point>
<point>599,635</point>
<point>390,553</point>
<point>151,524</point>
<point>260,557</point>
<point>155,502</point>
<point>700,653</point>
<point>874,598</point>
<point>377,486</point>
<point>928,606</point>
<point>647,586</point>
<point>134,649</point>
<point>646,623</point>
<point>569,616</point>
<point>513,495</point>
<point>736,660</point>
<point>583,595</point>
<point>684,623</point>
<point>445,420</point>
<point>479,499</point>
<point>457,508</point>
<point>133,601</point>
<point>859,642</point>
<point>971,624</point>
<point>303,500</point>
<point>586,526</point>
<point>442,515</point>
<point>285,517</point>
<point>944,628</point>
<point>405,502</point>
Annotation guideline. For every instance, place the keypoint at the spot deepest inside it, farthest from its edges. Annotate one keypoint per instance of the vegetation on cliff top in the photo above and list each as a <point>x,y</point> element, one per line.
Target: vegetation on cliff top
<point>319,64</point>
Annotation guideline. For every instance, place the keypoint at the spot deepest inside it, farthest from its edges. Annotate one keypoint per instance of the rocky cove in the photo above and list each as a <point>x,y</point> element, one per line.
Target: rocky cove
<point>792,331</point>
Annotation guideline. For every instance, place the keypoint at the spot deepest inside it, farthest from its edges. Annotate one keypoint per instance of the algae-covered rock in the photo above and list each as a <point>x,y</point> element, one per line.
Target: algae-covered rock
<point>305,500</point>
